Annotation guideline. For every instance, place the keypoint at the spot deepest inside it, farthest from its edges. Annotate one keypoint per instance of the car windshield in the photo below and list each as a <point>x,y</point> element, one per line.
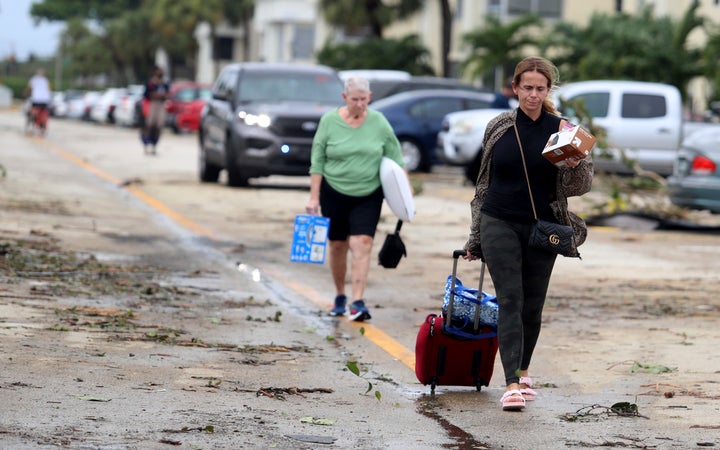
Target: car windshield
<point>290,86</point>
<point>205,93</point>
<point>186,94</point>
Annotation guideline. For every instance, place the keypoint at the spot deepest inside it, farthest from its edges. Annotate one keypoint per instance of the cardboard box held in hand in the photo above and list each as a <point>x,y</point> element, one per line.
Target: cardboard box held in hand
<point>575,141</point>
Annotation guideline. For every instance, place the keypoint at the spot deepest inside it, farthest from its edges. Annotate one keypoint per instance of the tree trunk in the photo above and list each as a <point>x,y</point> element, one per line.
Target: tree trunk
<point>446,36</point>
<point>372,6</point>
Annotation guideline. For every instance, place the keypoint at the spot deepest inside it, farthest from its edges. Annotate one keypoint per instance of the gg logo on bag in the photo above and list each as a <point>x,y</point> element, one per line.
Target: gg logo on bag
<point>554,239</point>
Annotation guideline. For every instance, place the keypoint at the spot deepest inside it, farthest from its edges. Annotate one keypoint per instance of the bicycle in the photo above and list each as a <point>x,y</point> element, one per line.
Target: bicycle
<point>37,119</point>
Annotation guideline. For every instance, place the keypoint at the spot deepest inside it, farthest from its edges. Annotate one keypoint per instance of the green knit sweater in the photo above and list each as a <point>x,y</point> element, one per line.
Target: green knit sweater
<point>349,158</point>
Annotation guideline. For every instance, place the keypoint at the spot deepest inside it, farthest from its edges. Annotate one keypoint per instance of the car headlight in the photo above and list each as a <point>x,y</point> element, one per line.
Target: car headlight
<point>255,120</point>
<point>462,127</point>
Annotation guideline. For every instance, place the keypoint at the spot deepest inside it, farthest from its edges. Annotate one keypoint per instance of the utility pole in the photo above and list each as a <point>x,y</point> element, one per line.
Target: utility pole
<point>58,68</point>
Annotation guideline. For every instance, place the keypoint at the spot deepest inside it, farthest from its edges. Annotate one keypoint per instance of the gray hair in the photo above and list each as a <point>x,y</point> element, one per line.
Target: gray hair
<point>357,84</point>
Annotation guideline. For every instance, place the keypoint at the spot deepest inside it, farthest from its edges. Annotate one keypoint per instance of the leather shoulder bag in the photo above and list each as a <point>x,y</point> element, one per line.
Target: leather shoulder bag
<point>546,235</point>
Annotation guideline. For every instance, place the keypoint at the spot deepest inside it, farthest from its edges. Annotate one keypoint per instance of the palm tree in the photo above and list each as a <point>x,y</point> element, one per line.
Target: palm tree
<point>640,47</point>
<point>496,47</point>
<point>356,16</point>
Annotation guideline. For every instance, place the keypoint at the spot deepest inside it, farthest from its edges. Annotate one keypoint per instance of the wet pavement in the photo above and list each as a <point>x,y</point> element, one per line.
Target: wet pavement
<point>228,346</point>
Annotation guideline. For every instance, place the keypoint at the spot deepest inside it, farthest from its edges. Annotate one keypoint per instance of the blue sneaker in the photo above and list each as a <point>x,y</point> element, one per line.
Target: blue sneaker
<point>339,309</point>
<point>358,311</point>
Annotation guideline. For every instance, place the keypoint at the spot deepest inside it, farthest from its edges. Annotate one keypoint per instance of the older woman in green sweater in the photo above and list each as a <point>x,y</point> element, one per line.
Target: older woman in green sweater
<point>347,149</point>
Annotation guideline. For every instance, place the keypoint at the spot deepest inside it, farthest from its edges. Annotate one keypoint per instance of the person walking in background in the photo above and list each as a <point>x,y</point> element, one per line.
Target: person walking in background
<point>347,149</point>
<point>38,88</point>
<point>502,98</point>
<point>156,92</point>
<point>502,217</point>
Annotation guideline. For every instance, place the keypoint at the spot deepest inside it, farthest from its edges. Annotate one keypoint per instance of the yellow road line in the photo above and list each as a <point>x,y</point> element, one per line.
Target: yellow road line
<point>372,333</point>
<point>151,201</point>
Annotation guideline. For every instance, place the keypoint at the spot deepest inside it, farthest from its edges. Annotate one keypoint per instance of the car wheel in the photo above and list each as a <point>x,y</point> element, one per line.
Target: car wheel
<point>209,173</point>
<point>235,176</point>
<point>412,155</point>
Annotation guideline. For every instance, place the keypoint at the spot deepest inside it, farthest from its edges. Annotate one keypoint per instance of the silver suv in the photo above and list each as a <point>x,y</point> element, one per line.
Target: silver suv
<point>261,119</point>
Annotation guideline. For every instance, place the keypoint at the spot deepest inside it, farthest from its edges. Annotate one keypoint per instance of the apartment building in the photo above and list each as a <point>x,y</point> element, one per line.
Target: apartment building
<point>294,30</point>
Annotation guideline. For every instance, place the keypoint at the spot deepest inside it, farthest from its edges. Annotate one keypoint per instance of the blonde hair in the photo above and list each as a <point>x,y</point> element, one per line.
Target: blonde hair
<point>357,84</point>
<point>543,67</point>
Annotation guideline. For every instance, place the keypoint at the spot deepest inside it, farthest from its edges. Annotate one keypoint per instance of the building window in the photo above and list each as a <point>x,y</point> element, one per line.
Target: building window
<point>302,46</point>
<point>551,9</point>
<point>495,7</point>
<point>223,48</point>
<point>459,10</point>
<point>519,7</point>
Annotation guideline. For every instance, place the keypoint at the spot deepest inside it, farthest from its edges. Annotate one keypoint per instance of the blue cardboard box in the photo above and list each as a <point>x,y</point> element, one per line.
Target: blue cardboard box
<point>309,239</point>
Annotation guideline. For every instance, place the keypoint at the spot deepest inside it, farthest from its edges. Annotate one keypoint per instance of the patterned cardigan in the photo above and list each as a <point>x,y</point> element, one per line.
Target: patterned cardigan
<point>570,182</point>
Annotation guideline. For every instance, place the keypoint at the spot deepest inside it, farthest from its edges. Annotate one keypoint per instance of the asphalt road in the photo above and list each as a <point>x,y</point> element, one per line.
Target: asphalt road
<point>639,300</point>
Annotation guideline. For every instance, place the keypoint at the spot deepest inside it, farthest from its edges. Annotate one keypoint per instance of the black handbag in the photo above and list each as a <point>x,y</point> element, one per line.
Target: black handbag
<point>393,249</point>
<point>552,237</point>
<point>545,235</point>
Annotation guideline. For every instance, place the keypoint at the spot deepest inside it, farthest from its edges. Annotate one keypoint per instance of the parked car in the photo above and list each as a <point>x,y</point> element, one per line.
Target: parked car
<point>695,182</point>
<point>416,117</point>
<point>62,104</point>
<point>127,113</point>
<point>385,87</point>
<point>79,107</point>
<point>261,119</point>
<point>459,141</point>
<point>375,74</point>
<point>184,105</point>
<point>103,111</point>
<point>643,120</point>
<point>57,106</point>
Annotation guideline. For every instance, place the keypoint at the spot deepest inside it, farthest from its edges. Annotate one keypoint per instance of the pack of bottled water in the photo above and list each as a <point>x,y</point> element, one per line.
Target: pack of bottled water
<point>466,303</point>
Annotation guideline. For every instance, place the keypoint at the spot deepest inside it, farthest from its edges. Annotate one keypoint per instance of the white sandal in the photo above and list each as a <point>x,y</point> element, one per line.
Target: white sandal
<point>512,400</point>
<point>528,392</point>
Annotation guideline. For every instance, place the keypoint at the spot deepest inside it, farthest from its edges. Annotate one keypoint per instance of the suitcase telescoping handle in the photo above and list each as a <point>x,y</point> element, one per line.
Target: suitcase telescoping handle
<point>451,304</point>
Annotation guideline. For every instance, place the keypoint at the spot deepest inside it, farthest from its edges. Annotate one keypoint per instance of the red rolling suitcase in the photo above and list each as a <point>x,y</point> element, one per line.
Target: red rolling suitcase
<point>444,358</point>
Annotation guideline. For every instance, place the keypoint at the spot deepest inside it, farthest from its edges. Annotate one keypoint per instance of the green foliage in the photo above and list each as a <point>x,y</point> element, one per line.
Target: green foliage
<point>396,54</point>
<point>16,84</point>
<point>712,53</point>
<point>130,32</point>
<point>499,45</point>
<point>352,366</point>
<point>623,46</point>
<point>99,10</point>
<point>356,16</point>
<point>650,368</point>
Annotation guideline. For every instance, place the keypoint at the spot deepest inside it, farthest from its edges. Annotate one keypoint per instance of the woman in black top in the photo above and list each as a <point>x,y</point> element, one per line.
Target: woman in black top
<point>502,217</point>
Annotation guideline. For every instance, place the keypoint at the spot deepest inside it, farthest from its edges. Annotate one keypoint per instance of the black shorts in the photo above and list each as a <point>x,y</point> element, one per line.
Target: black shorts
<point>350,216</point>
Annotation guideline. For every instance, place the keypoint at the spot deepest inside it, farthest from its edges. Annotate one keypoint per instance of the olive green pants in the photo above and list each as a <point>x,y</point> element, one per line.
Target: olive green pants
<point>520,276</point>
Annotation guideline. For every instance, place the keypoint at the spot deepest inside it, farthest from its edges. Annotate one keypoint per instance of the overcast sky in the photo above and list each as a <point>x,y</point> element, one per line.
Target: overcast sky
<point>19,35</point>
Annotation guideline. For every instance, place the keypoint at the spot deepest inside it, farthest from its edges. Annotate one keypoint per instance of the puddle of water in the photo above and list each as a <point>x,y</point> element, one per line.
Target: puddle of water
<point>427,405</point>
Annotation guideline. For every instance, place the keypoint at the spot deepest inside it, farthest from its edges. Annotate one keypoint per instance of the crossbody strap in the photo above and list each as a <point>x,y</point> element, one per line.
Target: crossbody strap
<point>527,177</point>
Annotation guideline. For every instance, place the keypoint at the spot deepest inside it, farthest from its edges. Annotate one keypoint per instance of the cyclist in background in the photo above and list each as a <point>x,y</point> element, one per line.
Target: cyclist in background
<point>40,95</point>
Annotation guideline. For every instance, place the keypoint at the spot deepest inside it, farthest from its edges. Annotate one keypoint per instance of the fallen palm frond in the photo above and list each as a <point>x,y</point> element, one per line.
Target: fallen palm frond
<point>620,409</point>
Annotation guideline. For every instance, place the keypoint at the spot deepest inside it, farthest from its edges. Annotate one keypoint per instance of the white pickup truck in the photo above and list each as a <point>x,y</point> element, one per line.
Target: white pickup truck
<point>643,119</point>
